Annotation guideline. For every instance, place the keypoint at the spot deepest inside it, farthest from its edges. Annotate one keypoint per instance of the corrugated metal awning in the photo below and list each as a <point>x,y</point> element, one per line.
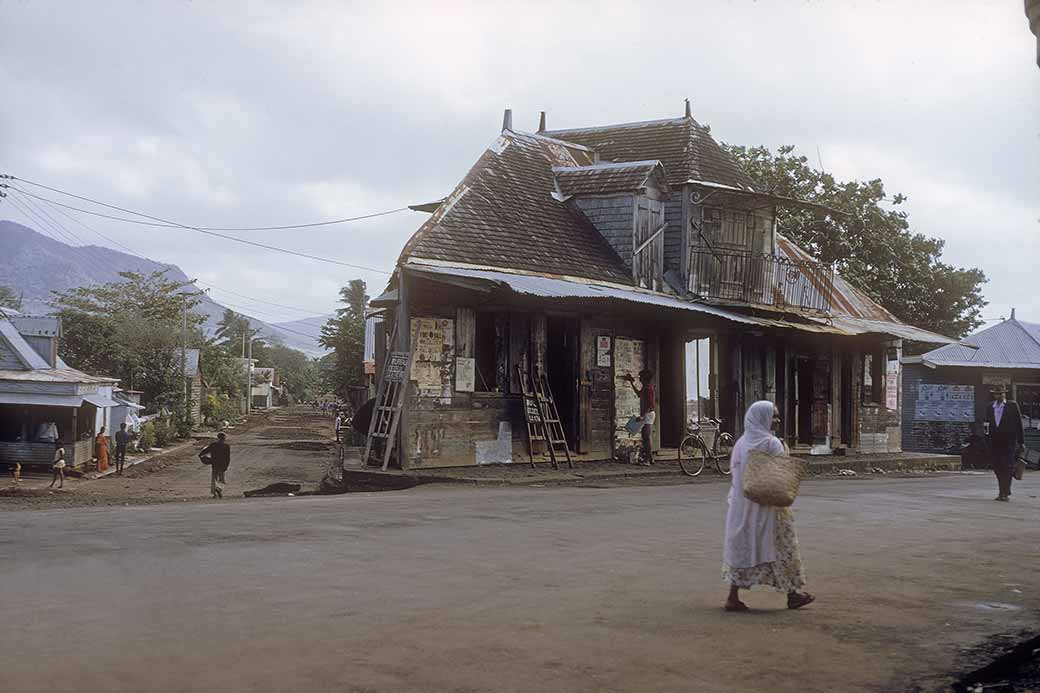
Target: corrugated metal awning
<point>552,287</point>
<point>558,287</point>
<point>32,398</point>
<point>101,401</point>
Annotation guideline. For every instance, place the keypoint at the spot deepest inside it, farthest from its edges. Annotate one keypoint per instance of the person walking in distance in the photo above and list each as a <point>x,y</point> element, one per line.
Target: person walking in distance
<point>1005,439</point>
<point>101,450</point>
<point>647,411</point>
<point>218,456</point>
<point>760,546</point>
<point>338,425</point>
<point>122,438</point>
<point>58,468</point>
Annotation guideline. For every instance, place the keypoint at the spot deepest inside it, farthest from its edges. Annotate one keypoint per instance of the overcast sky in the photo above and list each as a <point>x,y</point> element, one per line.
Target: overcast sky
<point>258,114</point>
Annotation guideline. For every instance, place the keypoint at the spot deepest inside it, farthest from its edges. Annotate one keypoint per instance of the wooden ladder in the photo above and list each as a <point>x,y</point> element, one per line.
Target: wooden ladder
<point>532,415</point>
<point>554,433</point>
<point>386,413</point>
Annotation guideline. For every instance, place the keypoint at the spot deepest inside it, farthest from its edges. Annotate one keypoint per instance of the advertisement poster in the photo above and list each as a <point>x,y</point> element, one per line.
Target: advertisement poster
<point>465,374</point>
<point>603,352</point>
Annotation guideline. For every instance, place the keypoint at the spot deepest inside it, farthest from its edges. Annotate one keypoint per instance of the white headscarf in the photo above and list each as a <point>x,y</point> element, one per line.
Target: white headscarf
<point>758,424</point>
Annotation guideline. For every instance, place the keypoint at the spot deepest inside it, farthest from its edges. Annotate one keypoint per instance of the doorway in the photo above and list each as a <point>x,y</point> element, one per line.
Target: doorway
<point>804,369</point>
<point>561,365</point>
<point>846,402</point>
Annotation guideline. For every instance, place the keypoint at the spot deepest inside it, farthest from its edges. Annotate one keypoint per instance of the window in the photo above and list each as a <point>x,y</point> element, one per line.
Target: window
<point>486,353</point>
<point>729,228</point>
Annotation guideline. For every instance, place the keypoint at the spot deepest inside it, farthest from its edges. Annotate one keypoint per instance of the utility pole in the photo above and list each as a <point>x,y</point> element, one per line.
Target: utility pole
<point>249,371</point>
<point>245,365</point>
<point>184,361</point>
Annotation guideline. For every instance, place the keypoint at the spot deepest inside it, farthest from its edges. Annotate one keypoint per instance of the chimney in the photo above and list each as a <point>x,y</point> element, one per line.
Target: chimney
<point>507,120</point>
<point>688,114</point>
<point>1012,313</point>
<point>541,122</point>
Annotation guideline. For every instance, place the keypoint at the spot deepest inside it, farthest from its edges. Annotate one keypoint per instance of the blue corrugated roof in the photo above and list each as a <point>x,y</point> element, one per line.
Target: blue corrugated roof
<point>1008,344</point>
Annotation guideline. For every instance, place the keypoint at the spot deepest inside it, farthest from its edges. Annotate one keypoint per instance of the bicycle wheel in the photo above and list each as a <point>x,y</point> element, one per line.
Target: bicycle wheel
<point>723,452</point>
<point>693,455</point>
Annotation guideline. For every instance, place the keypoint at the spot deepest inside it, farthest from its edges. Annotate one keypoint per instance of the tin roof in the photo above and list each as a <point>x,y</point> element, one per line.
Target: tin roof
<point>37,325</point>
<point>684,146</point>
<point>191,364</point>
<point>1008,344</point>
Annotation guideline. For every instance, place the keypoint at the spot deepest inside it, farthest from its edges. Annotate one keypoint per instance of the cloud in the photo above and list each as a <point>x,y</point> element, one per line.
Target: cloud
<point>246,114</point>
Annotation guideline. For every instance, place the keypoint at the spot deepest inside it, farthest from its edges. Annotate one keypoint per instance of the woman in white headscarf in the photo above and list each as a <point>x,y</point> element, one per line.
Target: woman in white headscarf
<point>761,547</point>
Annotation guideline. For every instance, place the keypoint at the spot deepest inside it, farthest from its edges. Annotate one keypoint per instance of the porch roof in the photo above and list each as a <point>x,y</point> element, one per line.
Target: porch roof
<point>546,286</point>
<point>32,398</point>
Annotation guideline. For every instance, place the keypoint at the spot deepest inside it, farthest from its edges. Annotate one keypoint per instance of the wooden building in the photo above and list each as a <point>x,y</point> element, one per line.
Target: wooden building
<point>42,399</point>
<point>946,391</point>
<point>590,254</point>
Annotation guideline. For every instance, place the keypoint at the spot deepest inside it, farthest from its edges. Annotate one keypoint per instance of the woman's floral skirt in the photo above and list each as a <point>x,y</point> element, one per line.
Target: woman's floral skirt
<point>785,573</point>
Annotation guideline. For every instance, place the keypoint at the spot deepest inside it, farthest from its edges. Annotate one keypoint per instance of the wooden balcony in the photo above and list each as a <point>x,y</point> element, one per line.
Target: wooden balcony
<point>764,281</point>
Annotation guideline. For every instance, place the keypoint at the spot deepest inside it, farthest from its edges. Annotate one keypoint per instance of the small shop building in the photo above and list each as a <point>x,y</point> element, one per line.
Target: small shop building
<point>946,391</point>
<point>587,255</point>
<point>42,400</point>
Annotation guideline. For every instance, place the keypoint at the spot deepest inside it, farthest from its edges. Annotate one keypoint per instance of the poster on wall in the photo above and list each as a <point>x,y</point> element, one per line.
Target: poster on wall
<point>603,351</point>
<point>628,360</point>
<point>433,341</point>
<point>892,391</point>
<point>945,402</point>
<point>465,374</point>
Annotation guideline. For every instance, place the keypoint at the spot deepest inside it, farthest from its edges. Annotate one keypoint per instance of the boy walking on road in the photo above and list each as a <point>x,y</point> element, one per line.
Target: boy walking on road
<point>218,456</point>
<point>122,438</point>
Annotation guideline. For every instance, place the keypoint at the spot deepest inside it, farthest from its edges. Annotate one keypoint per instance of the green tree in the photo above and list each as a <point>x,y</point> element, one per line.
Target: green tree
<point>296,373</point>
<point>345,336</point>
<point>873,247</point>
<point>8,298</point>
<point>132,330</point>
<point>230,331</point>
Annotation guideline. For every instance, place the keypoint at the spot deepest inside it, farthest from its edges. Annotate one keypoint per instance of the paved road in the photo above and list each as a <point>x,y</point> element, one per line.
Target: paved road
<point>508,590</point>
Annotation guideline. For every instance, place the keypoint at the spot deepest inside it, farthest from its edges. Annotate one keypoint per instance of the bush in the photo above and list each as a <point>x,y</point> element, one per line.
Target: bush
<point>147,440</point>
<point>219,408</point>
<point>184,426</point>
<point>163,431</point>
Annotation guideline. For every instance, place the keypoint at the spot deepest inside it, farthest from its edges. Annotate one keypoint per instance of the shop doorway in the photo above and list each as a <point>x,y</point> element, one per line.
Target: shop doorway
<point>804,369</point>
<point>561,365</point>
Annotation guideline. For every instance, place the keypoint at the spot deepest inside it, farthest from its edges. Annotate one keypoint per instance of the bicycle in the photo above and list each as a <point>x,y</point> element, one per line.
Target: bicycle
<point>694,453</point>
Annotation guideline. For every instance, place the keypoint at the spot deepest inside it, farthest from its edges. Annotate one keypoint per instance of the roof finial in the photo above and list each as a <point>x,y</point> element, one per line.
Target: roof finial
<point>507,120</point>
<point>1012,313</point>
<point>688,113</point>
<point>541,122</point>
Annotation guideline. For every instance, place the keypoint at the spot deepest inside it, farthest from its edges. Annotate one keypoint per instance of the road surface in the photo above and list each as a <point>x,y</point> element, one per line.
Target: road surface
<point>525,589</point>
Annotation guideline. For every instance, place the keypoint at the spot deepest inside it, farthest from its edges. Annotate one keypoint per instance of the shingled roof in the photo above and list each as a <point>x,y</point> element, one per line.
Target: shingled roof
<point>608,178</point>
<point>684,146</point>
<point>505,214</point>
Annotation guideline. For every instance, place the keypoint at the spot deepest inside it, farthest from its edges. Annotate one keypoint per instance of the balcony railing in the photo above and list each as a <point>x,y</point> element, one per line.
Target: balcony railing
<point>761,280</point>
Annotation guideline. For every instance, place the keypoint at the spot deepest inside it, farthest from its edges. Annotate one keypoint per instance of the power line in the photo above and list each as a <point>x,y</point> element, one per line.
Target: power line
<point>56,227</point>
<point>199,281</point>
<point>173,224</point>
<point>195,228</point>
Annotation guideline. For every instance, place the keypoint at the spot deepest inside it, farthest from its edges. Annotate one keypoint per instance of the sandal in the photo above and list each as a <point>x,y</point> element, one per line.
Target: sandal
<point>738,606</point>
<point>797,601</point>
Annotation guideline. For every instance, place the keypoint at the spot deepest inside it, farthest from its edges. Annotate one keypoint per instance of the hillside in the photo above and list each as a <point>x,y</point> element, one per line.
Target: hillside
<point>35,265</point>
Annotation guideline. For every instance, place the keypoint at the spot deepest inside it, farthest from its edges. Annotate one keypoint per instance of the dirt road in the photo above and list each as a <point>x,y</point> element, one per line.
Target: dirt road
<point>291,445</point>
<point>525,589</point>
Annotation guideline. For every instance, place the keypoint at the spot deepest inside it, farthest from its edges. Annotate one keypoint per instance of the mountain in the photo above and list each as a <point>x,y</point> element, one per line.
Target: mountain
<point>34,265</point>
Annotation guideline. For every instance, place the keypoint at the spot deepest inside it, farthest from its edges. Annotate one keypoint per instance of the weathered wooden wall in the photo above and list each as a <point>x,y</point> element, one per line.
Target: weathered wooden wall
<point>612,216</point>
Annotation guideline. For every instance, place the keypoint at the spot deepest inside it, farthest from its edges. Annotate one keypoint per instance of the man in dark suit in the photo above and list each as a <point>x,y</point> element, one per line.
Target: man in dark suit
<point>1004,421</point>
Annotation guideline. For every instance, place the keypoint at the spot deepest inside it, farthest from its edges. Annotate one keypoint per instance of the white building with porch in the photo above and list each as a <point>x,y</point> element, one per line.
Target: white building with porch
<point>42,400</point>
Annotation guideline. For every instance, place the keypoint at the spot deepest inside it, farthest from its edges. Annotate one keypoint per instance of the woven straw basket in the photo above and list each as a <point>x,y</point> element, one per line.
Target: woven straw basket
<point>772,479</point>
